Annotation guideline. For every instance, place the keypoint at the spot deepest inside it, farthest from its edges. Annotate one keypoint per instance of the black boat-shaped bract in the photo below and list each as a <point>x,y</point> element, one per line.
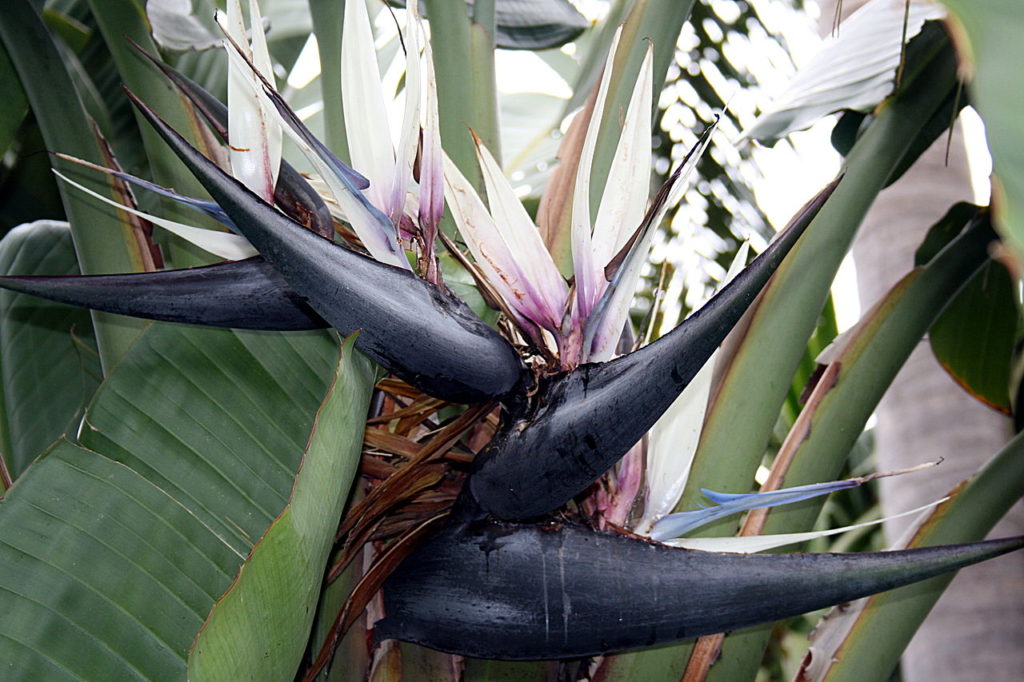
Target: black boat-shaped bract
<point>582,422</point>
<point>425,335</point>
<point>527,592</point>
<point>245,294</point>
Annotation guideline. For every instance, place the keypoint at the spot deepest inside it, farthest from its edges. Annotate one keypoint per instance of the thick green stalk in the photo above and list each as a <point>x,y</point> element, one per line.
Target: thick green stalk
<point>741,419</point>
<point>103,244</point>
<point>327,19</point>
<point>867,367</point>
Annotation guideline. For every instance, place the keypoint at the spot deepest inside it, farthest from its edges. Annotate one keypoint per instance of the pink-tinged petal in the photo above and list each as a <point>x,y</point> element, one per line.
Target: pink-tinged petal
<point>366,113</point>
<point>610,312</point>
<point>431,168</point>
<point>409,137</point>
<point>629,186</point>
<point>492,254</point>
<point>589,283</point>
<point>250,128</point>
<point>629,475</point>
<point>517,231</point>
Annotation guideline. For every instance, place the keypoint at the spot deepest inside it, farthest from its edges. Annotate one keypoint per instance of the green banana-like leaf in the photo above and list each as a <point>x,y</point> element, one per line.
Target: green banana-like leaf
<point>974,338</point>
<point>13,106</point>
<point>988,39</point>
<point>261,625</point>
<point>103,243</point>
<point>48,363</point>
<point>113,551</point>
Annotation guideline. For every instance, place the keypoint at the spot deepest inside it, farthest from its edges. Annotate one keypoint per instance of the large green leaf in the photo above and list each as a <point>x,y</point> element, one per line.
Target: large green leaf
<point>103,243</point>
<point>48,363</point>
<point>111,557</point>
<point>988,39</point>
<point>260,627</point>
<point>974,338</point>
<point>13,106</point>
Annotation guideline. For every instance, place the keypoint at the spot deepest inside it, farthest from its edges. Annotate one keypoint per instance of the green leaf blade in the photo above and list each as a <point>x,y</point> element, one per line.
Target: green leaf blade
<point>109,563</point>
<point>260,627</point>
<point>48,363</point>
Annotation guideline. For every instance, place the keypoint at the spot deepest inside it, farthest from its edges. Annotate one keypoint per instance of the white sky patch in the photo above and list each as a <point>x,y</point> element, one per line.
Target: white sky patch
<point>523,71</point>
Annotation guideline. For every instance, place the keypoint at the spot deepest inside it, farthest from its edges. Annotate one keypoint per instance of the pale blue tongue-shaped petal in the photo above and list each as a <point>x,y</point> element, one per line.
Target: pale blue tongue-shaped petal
<point>748,544</point>
<point>674,437</point>
<point>681,523</point>
<point>204,206</point>
<point>223,244</point>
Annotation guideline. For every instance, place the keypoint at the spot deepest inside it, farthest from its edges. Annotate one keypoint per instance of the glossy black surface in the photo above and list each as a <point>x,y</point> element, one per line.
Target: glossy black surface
<point>495,590</point>
<point>426,336</point>
<point>582,422</point>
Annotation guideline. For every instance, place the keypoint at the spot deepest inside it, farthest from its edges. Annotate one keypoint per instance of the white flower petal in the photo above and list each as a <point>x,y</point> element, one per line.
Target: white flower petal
<point>521,236</point>
<point>251,131</point>
<point>676,434</point>
<point>431,188</point>
<point>622,206</point>
<point>490,251</point>
<point>410,133</point>
<point>761,543</point>
<point>366,115</point>
<point>589,285</point>
<point>610,312</point>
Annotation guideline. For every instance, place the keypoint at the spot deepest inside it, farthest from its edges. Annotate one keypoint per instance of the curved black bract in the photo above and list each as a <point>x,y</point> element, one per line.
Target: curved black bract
<point>495,590</point>
<point>582,422</point>
<point>245,294</point>
<point>426,336</point>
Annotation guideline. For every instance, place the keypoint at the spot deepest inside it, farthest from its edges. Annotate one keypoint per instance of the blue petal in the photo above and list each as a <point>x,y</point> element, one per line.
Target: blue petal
<point>677,525</point>
<point>206,206</point>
